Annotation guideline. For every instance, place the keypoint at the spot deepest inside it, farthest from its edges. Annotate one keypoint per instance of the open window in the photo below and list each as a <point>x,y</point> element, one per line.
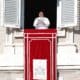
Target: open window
<point>33,7</point>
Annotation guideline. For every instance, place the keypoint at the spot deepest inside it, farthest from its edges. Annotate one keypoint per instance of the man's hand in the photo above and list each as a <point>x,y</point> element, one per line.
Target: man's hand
<point>40,22</point>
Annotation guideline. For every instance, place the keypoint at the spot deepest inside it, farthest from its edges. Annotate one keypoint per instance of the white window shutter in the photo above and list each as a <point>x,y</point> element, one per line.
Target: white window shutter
<point>1,13</point>
<point>68,15</point>
<point>13,13</point>
<point>58,13</point>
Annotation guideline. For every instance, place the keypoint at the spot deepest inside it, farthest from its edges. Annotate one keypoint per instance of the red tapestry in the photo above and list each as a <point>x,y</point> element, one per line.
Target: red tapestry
<point>40,54</point>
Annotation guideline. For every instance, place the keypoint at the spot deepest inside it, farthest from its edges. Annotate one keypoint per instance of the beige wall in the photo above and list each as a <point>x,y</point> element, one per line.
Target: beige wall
<point>2,39</point>
<point>11,75</point>
<point>11,54</point>
<point>69,74</point>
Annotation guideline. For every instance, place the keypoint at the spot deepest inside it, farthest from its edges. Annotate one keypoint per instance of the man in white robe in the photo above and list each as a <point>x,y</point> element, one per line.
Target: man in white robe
<point>41,22</point>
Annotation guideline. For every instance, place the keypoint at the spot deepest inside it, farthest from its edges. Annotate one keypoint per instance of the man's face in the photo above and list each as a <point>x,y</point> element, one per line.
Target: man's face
<point>41,14</point>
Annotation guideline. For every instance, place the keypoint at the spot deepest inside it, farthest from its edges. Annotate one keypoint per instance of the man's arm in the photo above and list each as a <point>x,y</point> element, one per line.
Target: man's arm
<point>47,22</point>
<point>35,22</point>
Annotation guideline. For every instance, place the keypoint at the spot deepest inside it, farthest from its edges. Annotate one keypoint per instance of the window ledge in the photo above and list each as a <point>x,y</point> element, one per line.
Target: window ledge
<point>11,67</point>
<point>18,34</point>
<point>66,44</point>
<point>13,45</point>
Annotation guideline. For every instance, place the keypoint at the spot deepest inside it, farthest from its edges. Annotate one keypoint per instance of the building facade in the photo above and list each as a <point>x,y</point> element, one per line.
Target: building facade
<point>12,40</point>
<point>11,54</point>
<point>68,51</point>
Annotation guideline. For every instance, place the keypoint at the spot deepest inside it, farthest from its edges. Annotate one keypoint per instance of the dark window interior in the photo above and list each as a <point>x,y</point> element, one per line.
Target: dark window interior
<point>32,8</point>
